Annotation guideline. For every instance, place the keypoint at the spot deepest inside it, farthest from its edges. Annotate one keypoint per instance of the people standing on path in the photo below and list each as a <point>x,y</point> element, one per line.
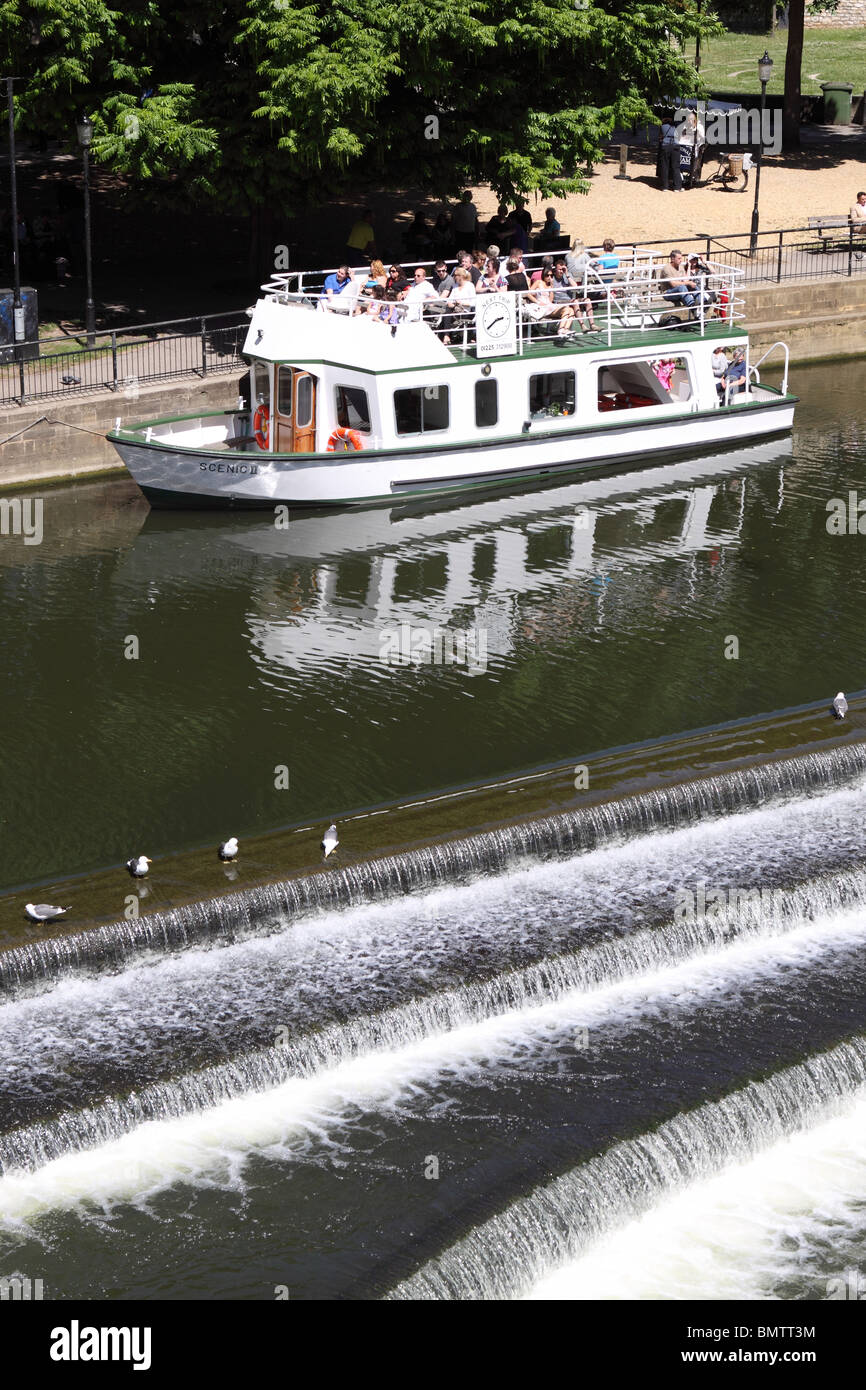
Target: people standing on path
<point>669,157</point>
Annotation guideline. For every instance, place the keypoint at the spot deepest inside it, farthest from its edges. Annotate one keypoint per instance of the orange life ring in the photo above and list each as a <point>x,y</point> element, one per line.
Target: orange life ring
<point>262,426</point>
<point>350,439</point>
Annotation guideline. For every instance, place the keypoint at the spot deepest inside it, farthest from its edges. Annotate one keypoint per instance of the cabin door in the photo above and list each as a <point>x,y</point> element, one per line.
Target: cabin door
<point>284,396</point>
<point>305,413</point>
<point>296,411</point>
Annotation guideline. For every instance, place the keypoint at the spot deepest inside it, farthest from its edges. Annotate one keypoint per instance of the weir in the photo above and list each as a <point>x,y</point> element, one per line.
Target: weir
<point>272,907</point>
<point>391,1030</point>
<point>503,1257</point>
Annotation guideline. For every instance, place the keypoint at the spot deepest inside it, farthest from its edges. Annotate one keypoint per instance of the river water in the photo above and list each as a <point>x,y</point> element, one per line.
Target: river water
<point>562,1075</point>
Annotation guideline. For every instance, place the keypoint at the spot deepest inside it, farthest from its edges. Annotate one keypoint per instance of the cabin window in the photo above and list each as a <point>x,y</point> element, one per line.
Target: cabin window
<point>353,409</point>
<point>304,417</point>
<point>551,394</point>
<point>420,409</point>
<point>486,404</point>
<point>648,382</point>
<point>261,384</point>
<point>284,392</point>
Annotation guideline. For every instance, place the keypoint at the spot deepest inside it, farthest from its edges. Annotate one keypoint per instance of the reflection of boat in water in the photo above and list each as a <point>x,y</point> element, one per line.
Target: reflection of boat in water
<point>326,585</point>
<point>345,410</point>
<point>315,535</point>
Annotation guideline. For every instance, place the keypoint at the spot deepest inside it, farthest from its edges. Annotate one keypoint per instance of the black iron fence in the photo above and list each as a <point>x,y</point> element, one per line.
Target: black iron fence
<point>122,358</point>
<point>819,252</point>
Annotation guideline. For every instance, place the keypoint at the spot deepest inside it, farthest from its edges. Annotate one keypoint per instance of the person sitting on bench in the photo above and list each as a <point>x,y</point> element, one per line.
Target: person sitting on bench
<point>677,287</point>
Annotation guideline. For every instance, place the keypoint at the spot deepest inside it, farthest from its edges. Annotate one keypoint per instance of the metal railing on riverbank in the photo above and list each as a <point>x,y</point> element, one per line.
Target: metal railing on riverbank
<point>123,357</point>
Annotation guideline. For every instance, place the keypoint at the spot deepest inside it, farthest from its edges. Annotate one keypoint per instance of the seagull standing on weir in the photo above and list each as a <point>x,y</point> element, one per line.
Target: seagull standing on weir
<point>330,841</point>
<point>137,865</point>
<point>44,912</point>
<point>840,706</point>
<point>229,848</point>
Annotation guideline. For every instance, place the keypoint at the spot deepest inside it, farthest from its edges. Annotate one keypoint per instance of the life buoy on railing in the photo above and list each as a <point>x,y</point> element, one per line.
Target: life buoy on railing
<point>262,426</point>
<point>350,440</point>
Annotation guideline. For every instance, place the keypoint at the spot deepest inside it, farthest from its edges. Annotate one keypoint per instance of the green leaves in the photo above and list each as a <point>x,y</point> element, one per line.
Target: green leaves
<point>277,102</point>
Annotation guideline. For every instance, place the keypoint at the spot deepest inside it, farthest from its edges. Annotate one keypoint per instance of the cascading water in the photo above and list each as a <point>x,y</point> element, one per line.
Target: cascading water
<point>507,1254</point>
<point>594,968</point>
<point>267,909</point>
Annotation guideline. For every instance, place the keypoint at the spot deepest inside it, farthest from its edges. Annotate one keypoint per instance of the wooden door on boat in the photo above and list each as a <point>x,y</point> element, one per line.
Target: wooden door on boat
<point>295,411</point>
<point>284,398</point>
<point>305,413</point>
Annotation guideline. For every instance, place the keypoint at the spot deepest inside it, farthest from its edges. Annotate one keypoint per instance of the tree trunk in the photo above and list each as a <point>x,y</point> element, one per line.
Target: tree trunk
<point>793,66</point>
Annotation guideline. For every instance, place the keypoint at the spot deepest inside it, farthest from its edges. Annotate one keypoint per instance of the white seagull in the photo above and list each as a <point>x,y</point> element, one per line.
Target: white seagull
<point>330,841</point>
<point>840,706</point>
<point>44,912</point>
<point>229,848</point>
<point>137,865</point>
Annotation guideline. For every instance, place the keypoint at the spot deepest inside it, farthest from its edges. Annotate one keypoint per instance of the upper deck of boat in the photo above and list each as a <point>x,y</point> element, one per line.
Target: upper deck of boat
<point>631,306</point>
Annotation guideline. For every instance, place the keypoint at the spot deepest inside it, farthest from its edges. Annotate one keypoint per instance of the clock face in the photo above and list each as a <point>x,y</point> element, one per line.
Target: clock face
<point>496,318</point>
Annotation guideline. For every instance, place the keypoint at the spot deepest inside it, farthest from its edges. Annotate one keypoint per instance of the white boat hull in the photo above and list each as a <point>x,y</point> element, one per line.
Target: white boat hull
<point>176,475</point>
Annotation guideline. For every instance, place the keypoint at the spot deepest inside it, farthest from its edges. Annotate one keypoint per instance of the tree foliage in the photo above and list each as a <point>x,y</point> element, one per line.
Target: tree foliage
<point>794,66</point>
<point>280,102</point>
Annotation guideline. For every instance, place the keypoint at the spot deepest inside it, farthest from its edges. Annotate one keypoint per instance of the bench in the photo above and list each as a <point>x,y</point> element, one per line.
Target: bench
<point>828,241</point>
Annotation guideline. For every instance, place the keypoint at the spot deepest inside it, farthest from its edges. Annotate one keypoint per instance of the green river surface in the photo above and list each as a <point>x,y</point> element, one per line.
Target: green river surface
<point>601,614</point>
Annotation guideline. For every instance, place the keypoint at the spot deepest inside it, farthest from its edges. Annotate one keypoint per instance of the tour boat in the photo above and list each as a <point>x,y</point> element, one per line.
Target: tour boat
<point>344,409</point>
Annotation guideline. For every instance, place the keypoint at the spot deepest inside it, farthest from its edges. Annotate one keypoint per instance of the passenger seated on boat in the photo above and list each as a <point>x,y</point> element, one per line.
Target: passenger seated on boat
<point>516,276</point>
<point>419,293</point>
<point>376,276</point>
<point>735,377</point>
<point>465,259</point>
<point>546,264</point>
<point>565,292</point>
<point>376,302</point>
<point>720,367</point>
<point>491,282</point>
<point>460,302</point>
<point>335,285</point>
<point>397,279</point>
<point>676,285</point>
<point>698,268</point>
<point>540,306</point>
<point>390,312</point>
<point>608,262</point>
<point>442,279</point>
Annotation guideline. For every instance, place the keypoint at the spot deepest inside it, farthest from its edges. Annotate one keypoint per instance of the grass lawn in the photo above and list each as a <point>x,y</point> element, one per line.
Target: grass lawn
<point>730,64</point>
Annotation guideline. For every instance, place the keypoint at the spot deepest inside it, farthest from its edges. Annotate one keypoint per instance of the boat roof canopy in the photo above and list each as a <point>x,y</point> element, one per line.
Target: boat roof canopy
<point>297,333</point>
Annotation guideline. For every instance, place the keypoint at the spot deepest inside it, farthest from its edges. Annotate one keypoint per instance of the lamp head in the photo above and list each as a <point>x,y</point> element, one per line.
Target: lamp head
<point>765,67</point>
<point>85,132</point>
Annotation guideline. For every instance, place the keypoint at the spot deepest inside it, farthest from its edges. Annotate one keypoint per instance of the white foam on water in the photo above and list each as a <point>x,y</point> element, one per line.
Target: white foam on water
<point>736,1235</point>
<point>211,1145</point>
<point>415,938</point>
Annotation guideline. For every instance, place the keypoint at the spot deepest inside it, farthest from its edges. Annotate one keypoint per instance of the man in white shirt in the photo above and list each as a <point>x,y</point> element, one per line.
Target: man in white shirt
<point>857,218</point>
<point>418,294</point>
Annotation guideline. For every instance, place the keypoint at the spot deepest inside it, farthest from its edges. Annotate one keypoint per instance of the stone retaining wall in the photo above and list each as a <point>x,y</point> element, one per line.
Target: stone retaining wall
<point>850,14</point>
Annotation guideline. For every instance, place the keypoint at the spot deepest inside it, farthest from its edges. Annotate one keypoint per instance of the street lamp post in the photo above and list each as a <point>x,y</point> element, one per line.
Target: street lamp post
<point>85,135</point>
<point>765,72</point>
<point>17,305</point>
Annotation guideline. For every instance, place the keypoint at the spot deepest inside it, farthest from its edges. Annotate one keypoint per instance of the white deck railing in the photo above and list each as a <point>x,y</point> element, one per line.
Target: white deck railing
<point>630,299</point>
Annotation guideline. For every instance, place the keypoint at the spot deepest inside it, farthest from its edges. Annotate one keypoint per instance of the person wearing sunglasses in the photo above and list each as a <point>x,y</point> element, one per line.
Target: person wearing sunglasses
<point>540,305</point>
